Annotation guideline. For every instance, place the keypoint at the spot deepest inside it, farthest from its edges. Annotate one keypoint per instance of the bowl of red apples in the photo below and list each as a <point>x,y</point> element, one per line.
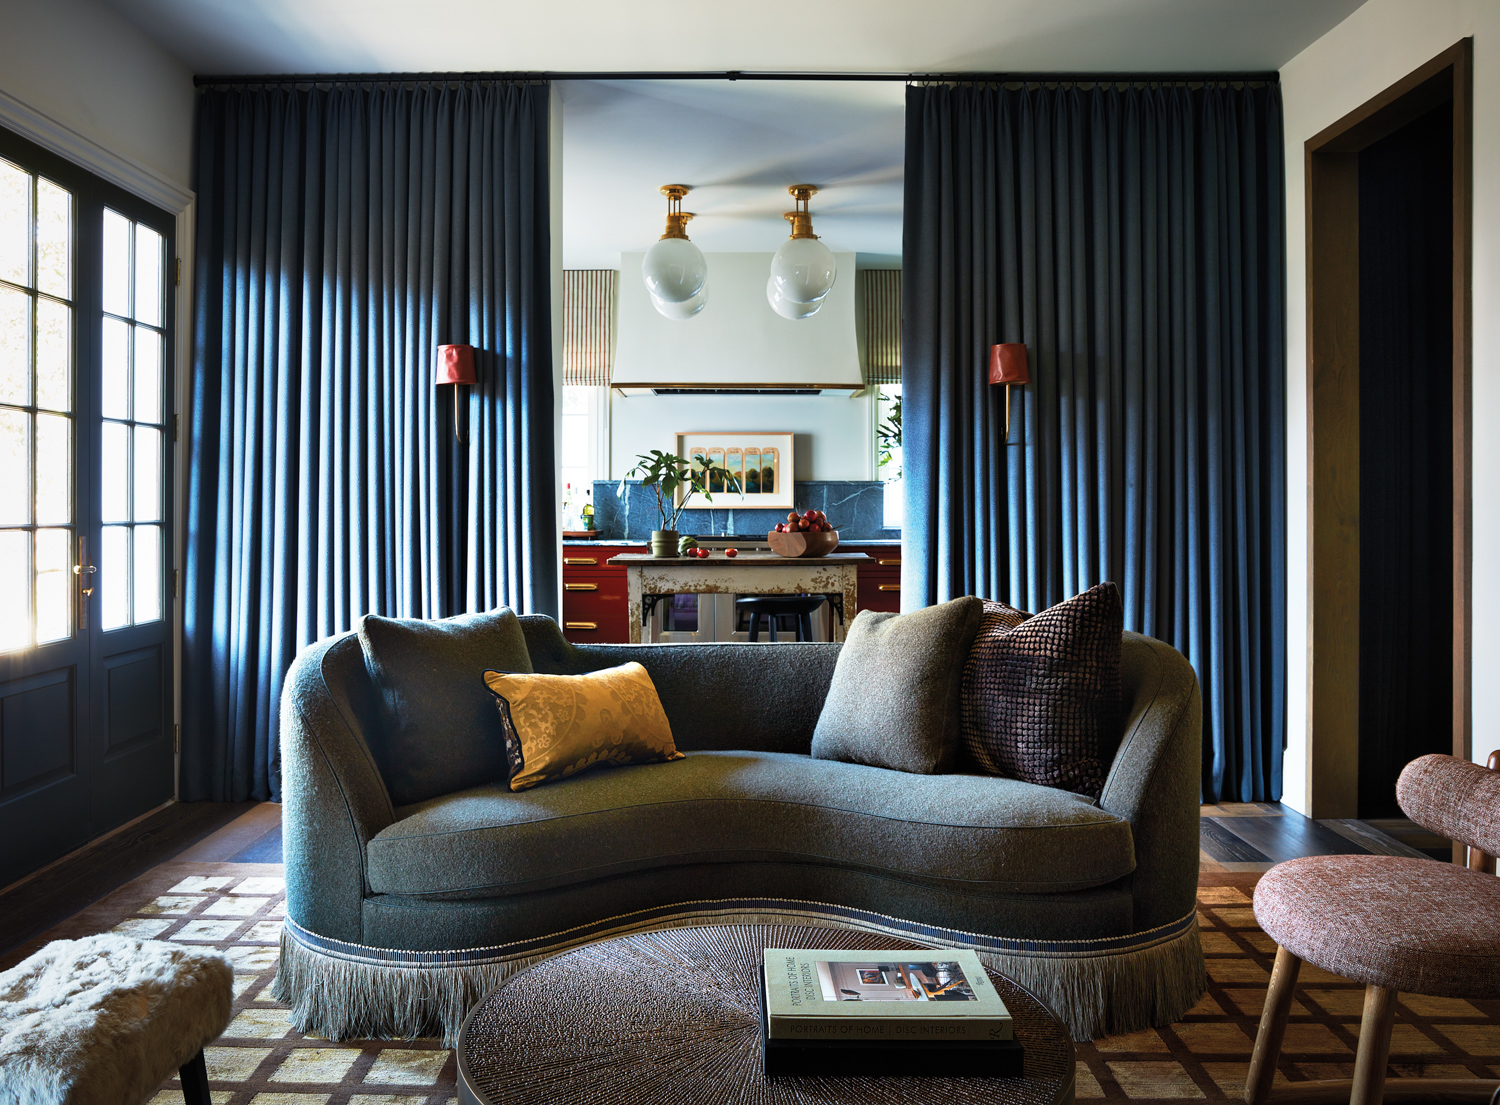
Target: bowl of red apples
<point>809,534</point>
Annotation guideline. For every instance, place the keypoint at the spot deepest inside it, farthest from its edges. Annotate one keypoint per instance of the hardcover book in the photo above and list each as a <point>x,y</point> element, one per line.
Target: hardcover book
<point>941,994</point>
<point>862,1058</point>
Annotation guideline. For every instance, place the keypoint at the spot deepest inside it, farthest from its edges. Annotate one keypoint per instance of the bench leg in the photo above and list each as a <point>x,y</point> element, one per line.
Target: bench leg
<point>1272,1027</point>
<point>194,1075</point>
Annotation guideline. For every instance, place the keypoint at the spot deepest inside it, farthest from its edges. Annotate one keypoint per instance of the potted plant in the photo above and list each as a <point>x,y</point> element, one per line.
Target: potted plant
<point>888,434</point>
<point>666,474</point>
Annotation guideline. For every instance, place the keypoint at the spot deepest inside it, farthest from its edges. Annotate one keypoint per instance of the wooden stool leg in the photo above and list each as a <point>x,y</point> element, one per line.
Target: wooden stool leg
<point>755,625</point>
<point>1272,1027</point>
<point>1374,1046</point>
<point>194,1075</point>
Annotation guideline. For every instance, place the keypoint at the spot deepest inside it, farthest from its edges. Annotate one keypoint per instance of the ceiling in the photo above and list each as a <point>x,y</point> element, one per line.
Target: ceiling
<point>738,144</point>
<point>890,36</point>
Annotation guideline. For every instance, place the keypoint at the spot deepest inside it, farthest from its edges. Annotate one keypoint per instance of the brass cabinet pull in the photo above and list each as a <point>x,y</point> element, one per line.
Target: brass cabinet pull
<point>580,587</point>
<point>888,587</point>
<point>580,625</point>
<point>888,563</point>
<point>581,561</point>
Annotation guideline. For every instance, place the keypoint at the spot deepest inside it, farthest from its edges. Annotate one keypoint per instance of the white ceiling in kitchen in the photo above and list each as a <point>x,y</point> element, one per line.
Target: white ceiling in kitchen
<point>738,145</point>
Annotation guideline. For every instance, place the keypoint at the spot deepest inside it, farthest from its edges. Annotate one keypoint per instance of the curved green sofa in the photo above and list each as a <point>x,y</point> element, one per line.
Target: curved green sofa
<point>398,918</point>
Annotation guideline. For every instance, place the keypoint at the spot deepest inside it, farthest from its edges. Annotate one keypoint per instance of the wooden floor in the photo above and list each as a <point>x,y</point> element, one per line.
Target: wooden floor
<point>205,831</point>
<point>1253,836</point>
<point>1249,836</point>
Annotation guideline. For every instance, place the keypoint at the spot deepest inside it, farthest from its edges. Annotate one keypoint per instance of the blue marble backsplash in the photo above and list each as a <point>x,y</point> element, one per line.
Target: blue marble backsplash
<point>855,507</point>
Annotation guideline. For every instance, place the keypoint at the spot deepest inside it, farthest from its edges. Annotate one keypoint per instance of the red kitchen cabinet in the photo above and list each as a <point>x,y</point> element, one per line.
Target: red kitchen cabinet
<point>595,603</point>
<point>879,578</point>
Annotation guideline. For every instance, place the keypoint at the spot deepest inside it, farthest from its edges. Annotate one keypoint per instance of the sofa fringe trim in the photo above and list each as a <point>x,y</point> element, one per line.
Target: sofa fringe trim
<point>341,990</point>
<point>1117,992</point>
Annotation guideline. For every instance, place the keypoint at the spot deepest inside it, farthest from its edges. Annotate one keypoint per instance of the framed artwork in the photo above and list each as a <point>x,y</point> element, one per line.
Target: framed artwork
<point>760,462</point>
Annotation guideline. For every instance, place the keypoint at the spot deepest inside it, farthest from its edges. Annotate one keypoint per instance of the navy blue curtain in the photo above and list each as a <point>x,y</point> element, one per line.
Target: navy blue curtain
<point>344,232</point>
<point>1132,238</point>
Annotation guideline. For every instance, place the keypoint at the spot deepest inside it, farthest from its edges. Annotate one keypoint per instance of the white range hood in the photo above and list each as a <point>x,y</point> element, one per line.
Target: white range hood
<point>737,344</point>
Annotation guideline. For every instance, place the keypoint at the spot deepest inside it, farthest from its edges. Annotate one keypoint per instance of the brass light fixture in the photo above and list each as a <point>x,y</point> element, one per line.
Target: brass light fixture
<point>674,269</point>
<point>803,270</point>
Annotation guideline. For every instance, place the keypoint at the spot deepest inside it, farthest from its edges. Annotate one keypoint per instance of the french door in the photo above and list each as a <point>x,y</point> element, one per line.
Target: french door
<point>86,734</point>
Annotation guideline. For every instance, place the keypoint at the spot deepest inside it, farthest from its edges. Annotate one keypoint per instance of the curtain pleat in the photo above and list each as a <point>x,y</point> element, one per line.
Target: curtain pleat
<point>344,232</point>
<point>1131,237</point>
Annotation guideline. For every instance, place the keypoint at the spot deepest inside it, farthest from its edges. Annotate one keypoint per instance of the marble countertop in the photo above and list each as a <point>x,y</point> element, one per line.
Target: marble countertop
<point>747,559</point>
<point>893,542</point>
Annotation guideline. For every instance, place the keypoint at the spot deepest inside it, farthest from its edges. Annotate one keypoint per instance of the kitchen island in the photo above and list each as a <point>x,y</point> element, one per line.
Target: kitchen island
<point>749,573</point>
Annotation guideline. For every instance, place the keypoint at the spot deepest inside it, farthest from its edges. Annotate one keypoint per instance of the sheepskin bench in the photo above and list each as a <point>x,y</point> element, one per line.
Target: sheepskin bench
<point>104,1020</point>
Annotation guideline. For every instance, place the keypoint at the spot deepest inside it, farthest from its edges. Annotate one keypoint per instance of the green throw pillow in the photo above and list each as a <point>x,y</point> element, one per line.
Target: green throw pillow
<point>894,699</point>
<point>441,732</point>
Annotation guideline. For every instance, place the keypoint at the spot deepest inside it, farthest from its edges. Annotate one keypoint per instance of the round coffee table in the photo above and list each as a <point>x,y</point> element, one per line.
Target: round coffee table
<point>673,1018</point>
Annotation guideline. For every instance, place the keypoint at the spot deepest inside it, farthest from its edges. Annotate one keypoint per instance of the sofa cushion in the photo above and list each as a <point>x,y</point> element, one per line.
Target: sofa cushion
<point>1041,694</point>
<point>440,732</point>
<point>977,832</point>
<point>894,698</point>
<point>559,725</point>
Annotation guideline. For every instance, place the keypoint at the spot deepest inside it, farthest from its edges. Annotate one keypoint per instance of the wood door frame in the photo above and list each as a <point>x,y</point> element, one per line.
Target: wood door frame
<point>1332,186</point>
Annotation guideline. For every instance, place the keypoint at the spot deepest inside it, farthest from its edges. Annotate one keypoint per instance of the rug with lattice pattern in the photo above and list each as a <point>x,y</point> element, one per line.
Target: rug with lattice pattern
<point>262,1060</point>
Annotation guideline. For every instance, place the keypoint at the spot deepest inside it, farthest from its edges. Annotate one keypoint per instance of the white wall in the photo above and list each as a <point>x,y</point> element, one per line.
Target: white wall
<point>737,338</point>
<point>1376,46</point>
<point>83,66</point>
<point>834,433</point>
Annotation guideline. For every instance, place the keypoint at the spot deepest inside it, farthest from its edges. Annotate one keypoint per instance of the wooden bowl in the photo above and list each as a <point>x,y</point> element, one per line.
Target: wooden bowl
<point>803,543</point>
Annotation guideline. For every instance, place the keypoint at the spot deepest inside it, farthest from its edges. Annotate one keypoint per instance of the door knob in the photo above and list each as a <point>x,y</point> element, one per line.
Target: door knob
<point>85,573</point>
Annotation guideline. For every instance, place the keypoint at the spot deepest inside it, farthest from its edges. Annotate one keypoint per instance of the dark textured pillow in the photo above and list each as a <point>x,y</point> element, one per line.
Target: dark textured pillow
<point>1041,693</point>
<point>441,732</point>
<point>894,698</point>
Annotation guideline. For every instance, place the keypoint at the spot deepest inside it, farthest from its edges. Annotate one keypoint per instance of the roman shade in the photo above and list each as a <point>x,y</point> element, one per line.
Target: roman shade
<point>588,326</point>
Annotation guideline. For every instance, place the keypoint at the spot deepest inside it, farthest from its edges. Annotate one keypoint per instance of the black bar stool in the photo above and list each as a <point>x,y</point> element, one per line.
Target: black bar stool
<point>775,606</point>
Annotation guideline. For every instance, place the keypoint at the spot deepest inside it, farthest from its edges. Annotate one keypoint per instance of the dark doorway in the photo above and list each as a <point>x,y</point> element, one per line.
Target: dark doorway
<point>1405,453</point>
<point>1389,427</point>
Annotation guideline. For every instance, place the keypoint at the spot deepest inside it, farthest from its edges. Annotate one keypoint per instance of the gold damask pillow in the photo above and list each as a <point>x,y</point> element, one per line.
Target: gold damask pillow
<point>559,725</point>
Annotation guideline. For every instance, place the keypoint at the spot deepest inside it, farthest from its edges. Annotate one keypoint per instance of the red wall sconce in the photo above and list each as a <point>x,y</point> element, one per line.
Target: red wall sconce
<point>455,365</point>
<point>1008,366</point>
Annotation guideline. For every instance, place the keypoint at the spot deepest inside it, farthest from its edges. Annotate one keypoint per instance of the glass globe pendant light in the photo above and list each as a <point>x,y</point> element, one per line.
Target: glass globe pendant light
<point>686,309</point>
<point>787,308</point>
<point>803,270</point>
<point>674,269</point>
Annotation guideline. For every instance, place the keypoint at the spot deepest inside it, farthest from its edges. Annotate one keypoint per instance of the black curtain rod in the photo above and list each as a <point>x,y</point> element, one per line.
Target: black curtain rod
<point>733,75</point>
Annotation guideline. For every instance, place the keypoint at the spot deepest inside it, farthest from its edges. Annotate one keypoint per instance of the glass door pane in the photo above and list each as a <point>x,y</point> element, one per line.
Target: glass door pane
<point>38,522</point>
<point>133,446</point>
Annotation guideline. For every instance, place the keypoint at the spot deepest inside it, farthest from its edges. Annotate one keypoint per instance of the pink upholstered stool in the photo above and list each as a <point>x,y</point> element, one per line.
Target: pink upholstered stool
<point>1411,925</point>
